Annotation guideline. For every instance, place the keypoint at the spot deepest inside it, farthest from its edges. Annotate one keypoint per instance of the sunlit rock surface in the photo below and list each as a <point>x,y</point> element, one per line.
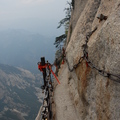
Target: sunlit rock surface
<point>92,96</point>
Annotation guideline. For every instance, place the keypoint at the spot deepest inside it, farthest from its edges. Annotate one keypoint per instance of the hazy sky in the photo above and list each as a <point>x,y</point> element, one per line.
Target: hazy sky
<point>38,16</point>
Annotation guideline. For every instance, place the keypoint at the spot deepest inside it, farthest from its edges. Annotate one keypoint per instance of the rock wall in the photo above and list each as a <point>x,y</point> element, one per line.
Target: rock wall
<point>93,96</point>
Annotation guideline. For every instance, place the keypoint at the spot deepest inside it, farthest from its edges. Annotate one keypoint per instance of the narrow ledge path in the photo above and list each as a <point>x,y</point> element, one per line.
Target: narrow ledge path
<point>64,108</point>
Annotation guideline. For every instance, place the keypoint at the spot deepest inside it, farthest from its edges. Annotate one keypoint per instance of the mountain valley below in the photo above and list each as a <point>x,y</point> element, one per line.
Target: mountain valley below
<point>20,93</point>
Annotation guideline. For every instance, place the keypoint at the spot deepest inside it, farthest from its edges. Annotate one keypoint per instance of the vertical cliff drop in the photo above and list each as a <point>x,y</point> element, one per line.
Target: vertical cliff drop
<point>91,90</point>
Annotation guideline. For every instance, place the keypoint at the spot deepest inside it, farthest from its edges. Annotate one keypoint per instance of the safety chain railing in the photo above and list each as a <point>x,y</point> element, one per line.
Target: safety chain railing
<point>46,108</point>
<point>85,57</point>
<point>76,65</point>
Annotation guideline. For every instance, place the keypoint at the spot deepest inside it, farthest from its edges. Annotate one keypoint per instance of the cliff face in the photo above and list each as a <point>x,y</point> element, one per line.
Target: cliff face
<point>92,96</point>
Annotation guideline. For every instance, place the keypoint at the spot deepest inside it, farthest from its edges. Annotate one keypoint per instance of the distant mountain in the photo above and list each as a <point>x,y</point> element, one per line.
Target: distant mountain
<point>20,93</point>
<point>24,49</point>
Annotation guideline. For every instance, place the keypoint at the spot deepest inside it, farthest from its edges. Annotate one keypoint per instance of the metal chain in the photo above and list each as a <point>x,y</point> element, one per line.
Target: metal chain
<point>101,72</point>
<point>76,65</point>
<point>47,112</point>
